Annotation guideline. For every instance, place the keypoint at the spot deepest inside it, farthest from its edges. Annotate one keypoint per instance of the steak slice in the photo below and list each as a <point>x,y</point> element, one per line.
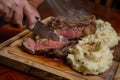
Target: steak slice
<point>42,45</point>
<point>49,48</point>
<point>73,28</point>
<point>70,33</point>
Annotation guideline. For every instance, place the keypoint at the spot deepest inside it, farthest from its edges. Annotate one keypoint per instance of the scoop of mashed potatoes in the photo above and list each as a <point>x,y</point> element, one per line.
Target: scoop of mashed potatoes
<point>92,55</point>
<point>106,34</point>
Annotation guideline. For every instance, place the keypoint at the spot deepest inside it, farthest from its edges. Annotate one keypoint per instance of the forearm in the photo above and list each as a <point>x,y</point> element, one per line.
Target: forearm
<point>35,3</point>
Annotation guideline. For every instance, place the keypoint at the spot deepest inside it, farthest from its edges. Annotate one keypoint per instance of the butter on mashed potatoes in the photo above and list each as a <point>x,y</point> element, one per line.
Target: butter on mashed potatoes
<point>92,54</point>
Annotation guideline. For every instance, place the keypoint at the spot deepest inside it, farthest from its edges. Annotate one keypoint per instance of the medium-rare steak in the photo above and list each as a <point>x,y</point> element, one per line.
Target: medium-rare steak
<point>42,45</point>
<point>47,47</point>
<point>73,28</point>
<point>68,30</point>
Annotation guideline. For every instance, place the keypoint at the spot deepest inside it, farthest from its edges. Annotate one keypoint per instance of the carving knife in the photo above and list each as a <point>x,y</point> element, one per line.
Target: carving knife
<point>40,29</point>
<point>44,31</point>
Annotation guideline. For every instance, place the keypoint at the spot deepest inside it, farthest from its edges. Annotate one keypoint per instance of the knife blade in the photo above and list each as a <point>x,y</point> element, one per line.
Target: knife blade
<point>44,31</point>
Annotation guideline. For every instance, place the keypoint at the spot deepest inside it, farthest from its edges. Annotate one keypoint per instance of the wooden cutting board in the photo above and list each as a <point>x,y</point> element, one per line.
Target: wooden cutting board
<point>12,55</point>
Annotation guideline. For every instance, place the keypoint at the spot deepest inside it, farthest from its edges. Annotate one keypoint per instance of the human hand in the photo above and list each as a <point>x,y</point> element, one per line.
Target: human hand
<point>14,11</point>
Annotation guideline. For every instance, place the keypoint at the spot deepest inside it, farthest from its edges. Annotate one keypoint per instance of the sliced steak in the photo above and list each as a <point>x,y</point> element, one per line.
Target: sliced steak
<point>29,45</point>
<point>68,30</point>
<point>46,47</point>
<point>70,33</point>
<point>73,29</point>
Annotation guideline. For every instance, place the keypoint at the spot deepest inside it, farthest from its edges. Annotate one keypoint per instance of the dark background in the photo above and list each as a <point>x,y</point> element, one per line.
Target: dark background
<point>115,3</point>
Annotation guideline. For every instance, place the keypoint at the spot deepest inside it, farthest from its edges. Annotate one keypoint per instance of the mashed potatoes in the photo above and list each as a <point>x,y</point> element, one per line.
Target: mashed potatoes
<point>106,34</point>
<point>92,55</point>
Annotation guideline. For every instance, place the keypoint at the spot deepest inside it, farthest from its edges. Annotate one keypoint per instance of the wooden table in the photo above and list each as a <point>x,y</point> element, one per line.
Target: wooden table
<point>7,31</point>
